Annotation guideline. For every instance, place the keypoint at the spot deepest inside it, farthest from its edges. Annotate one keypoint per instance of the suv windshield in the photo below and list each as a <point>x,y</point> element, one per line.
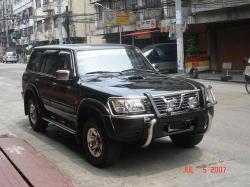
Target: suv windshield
<point>111,60</point>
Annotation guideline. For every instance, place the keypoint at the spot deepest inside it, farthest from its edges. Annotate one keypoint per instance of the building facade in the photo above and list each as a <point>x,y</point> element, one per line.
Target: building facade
<point>224,27</point>
<point>219,29</point>
<point>35,22</point>
<point>6,25</point>
<point>149,21</point>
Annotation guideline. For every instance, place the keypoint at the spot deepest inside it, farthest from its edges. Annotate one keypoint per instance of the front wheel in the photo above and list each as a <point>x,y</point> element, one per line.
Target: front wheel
<point>247,85</point>
<point>99,149</point>
<point>186,140</point>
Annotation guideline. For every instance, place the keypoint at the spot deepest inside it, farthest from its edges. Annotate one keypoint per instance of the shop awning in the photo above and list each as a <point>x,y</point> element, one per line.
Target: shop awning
<point>136,33</point>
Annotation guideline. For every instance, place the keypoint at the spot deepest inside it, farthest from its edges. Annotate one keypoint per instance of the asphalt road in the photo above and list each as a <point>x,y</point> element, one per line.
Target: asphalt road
<point>225,149</point>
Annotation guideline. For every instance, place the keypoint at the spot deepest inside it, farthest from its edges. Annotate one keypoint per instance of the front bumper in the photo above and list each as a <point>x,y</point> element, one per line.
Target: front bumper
<point>139,129</point>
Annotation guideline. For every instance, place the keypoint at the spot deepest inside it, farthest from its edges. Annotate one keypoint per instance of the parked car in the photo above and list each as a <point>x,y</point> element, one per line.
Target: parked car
<point>162,56</point>
<point>109,94</point>
<point>10,57</point>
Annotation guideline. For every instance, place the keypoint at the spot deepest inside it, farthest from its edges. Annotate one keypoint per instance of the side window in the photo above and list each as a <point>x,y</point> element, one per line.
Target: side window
<point>154,57</point>
<point>35,61</point>
<point>64,62</point>
<point>50,64</point>
<point>54,62</point>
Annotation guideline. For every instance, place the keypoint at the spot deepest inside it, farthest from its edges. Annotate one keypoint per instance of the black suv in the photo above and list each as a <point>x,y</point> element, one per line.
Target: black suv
<point>108,94</point>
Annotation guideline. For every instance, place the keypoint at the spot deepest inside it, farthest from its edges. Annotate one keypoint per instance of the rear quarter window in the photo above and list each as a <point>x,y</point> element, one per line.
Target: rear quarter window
<point>35,62</point>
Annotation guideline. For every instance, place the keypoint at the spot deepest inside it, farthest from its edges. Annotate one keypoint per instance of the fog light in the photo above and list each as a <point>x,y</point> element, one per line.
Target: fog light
<point>192,102</point>
<point>170,105</point>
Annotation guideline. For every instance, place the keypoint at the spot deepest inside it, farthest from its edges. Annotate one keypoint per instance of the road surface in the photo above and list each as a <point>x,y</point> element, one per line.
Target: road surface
<point>222,159</point>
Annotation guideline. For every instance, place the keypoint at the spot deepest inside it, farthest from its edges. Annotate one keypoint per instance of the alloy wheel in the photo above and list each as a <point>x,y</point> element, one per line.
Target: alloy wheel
<point>32,113</point>
<point>94,142</point>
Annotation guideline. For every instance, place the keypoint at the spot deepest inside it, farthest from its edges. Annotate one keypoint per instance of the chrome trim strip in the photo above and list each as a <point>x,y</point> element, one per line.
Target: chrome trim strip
<point>133,116</point>
<point>60,125</point>
<point>176,93</point>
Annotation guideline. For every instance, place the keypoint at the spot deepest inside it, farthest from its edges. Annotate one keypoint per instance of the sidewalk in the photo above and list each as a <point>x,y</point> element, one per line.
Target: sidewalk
<point>21,165</point>
<point>216,76</point>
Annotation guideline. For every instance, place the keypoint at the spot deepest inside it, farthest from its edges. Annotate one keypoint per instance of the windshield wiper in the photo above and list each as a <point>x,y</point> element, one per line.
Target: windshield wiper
<point>135,69</point>
<point>99,72</point>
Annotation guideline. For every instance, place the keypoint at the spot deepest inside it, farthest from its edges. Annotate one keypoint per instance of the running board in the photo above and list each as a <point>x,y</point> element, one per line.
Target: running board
<point>60,125</point>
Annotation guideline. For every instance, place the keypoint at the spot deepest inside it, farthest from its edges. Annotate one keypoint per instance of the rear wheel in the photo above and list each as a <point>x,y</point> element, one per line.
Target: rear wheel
<point>247,85</point>
<point>186,140</point>
<point>99,149</point>
<point>36,121</point>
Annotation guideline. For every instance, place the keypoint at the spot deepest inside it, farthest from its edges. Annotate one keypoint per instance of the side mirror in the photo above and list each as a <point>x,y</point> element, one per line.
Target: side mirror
<point>62,75</point>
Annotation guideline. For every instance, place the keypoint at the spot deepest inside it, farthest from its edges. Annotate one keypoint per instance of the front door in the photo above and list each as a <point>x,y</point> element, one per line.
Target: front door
<point>64,100</point>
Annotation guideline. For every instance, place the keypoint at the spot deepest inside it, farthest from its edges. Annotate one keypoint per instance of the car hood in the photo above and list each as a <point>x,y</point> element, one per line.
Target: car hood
<point>137,85</point>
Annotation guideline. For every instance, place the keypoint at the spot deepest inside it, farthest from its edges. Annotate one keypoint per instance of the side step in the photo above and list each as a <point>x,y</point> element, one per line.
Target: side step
<point>60,125</point>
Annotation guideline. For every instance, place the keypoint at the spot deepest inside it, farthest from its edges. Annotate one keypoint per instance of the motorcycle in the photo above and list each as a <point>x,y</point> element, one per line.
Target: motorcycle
<point>247,77</point>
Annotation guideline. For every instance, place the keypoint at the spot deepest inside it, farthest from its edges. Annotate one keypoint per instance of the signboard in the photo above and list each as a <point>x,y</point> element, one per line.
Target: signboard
<point>165,25</point>
<point>122,18</point>
<point>109,18</point>
<point>116,18</point>
<point>146,24</point>
<point>227,65</point>
<point>143,36</point>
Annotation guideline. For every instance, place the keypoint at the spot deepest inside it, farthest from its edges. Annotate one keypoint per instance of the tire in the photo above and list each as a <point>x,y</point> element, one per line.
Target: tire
<point>194,73</point>
<point>186,140</point>
<point>35,119</point>
<point>107,152</point>
<point>247,85</point>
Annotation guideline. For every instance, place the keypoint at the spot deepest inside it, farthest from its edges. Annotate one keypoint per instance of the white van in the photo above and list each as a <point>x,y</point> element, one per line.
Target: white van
<point>10,57</point>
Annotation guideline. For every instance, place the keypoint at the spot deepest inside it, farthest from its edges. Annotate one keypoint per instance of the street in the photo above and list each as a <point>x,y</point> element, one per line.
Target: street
<point>226,145</point>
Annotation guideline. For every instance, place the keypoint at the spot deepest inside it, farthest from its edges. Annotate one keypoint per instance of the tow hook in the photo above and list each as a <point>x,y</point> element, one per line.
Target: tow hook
<point>150,133</point>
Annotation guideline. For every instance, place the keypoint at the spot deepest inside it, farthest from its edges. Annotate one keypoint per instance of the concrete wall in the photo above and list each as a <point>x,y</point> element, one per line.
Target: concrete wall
<point>208,5</point>
<point>222,15</point>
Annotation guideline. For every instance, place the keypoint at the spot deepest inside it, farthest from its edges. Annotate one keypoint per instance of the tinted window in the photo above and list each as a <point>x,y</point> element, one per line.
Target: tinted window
<point>50,64</point>
<point>35,61</point>
<point>64,62</point>
<point>168,52</point>
<point>54,62</point>
<point>154,57</point>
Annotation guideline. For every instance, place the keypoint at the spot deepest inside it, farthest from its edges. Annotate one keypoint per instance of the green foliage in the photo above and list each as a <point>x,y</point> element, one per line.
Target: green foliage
<point>191,48</point>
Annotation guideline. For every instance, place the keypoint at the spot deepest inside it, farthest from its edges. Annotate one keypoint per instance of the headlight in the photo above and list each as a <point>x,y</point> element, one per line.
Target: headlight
<point>210,96</point>
<point>127,105</point>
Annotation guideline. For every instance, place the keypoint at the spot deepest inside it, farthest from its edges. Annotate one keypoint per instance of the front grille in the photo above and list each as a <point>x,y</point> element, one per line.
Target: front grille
<point>180,102</point>
<point>148,106</point>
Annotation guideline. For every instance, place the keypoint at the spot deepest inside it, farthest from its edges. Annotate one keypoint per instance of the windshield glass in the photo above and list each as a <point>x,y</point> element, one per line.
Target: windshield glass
<point>111,60</point>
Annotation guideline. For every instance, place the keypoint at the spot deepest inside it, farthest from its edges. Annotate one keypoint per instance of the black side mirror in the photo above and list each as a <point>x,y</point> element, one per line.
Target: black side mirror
<point>62,75</point>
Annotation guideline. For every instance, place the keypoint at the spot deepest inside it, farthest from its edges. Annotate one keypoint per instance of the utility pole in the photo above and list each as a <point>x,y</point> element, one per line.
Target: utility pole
<point>59,21</point>
<point>120,34</point>
<point>6,26</point>
<point>179,34</point>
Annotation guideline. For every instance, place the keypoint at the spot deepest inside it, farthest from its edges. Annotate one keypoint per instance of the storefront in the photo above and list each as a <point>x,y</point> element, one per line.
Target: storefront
<point>222,42</point>
<point>233,44</point>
